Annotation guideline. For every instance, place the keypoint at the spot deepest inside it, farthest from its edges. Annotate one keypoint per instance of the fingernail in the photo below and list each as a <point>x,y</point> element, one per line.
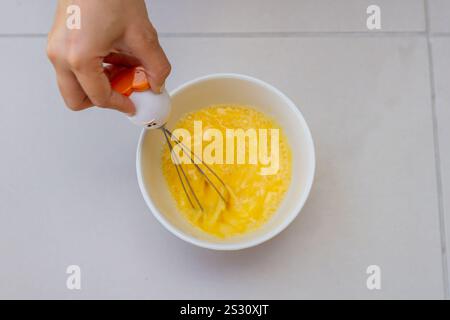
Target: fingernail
<point>132,113</point>
<point>160,89</point>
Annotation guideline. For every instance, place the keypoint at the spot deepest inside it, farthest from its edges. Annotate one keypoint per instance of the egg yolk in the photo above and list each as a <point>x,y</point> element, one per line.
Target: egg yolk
<point>251,198</point>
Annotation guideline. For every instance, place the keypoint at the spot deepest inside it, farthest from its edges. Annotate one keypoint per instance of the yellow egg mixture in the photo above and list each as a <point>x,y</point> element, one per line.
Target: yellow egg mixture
<point>251,197</point>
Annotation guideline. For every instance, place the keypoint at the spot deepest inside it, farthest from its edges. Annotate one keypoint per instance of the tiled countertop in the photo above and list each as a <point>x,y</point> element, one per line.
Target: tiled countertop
<point>378,105</point>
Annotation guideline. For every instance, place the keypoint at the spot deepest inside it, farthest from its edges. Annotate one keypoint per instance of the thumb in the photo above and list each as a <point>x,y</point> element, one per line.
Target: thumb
<point>94,80</point>
<point>121,103</point>
<point>118,101</point>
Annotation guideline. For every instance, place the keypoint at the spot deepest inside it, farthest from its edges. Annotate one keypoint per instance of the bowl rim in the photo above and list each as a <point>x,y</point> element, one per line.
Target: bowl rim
<point>261,238</point>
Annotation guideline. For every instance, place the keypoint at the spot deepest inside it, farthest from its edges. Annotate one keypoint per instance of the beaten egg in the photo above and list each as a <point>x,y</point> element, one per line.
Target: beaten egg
<point>253,192</point>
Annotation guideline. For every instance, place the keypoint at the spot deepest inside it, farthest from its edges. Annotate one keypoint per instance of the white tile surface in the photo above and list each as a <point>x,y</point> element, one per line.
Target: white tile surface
<point>284,15</point>
<point>69,195</point>
<point>26,16</point>
<point>441,54</point>
<point>31,16</point>
<point>439,13</point>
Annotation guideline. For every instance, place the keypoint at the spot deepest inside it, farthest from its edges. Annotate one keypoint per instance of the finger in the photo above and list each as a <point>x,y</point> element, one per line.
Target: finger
<point>145,46</point>
<point>71,90</point>
<point>73,94</point>
<point>92,78</point>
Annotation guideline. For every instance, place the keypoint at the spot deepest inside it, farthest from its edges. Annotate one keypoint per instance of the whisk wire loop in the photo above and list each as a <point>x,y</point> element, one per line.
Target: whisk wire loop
<point>192,155</point>
<point>180,168</point>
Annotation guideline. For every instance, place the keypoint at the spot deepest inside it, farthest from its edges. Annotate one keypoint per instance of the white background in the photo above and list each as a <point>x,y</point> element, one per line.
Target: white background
<point>378,104</point>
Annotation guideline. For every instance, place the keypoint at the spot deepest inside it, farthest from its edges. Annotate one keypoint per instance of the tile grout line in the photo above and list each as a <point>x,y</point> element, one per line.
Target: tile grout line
<point>294,34</point>
<point>437,157</point>
<point>23,35</point>
<point>440,34</point>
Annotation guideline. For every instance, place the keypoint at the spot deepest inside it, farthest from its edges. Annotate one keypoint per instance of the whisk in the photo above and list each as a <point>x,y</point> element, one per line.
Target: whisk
<point>152,112</point>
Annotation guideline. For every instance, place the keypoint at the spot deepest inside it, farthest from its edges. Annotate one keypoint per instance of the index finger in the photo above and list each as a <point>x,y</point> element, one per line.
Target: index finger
<point>92,78</point>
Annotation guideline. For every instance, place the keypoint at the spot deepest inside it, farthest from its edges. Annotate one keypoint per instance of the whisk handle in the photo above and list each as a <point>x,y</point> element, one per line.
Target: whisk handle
<point>152,110</point>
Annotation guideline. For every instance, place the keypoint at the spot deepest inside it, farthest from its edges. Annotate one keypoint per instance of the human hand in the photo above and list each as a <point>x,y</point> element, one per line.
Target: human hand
<point>117,32</point>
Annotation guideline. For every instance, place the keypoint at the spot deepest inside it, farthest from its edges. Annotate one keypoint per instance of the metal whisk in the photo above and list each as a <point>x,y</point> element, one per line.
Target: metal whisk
<point>185,183</point>
<point>152,112</point>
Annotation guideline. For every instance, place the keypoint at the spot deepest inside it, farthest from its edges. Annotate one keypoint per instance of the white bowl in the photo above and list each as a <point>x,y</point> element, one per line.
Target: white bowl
<point>235,89</point>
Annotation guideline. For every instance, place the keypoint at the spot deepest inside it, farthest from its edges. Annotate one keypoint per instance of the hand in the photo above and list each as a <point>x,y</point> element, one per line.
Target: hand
<point>117,32</point>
